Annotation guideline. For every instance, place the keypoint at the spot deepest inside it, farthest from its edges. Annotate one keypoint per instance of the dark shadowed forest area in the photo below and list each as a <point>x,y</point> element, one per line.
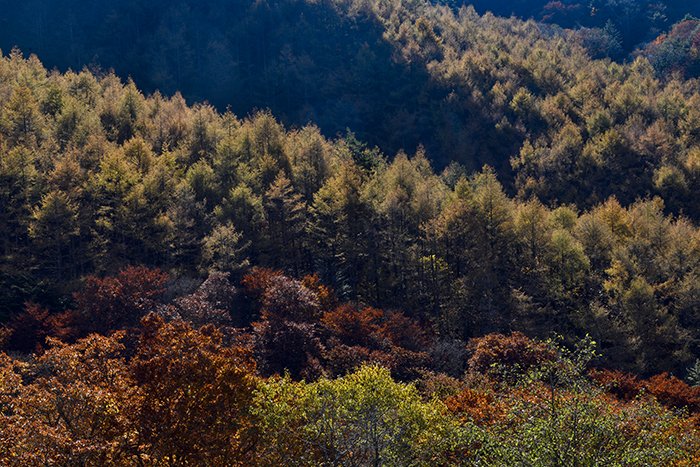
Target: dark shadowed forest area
<point>339,64</point>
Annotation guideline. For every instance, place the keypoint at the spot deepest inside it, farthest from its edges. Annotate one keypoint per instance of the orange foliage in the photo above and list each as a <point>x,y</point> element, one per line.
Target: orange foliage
<point>404,364</point>
<point>668,390</point>
<point>183,399</point>
<point>256,282</point>
<point>403,331</point>
<point>352,326</point>
<point>673,392</point>
<point>106,304</point>
<point>77,409</point>
<point>196,393</point>
<point>371,335</point>
<point>625,386</point>
<point>326,296</point>
<point>27,331</point>
<point>478,406</point>
<point>280,297</point>
<point>516,350</point>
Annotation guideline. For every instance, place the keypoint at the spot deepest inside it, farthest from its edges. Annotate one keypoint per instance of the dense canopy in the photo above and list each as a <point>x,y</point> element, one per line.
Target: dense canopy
<point>432,238</point>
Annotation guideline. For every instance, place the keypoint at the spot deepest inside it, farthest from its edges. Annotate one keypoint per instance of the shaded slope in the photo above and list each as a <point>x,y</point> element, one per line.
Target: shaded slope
<point>306,61</point>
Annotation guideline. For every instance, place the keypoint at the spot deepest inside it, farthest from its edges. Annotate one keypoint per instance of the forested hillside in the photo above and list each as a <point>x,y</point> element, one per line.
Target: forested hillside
<point>678,51</point>
<point>97,177</point>
<point>628,22</point>
<point>443,239</point>
<point>396,74</point>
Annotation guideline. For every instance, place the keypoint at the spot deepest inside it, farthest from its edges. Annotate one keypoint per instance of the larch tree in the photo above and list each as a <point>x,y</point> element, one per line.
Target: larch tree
<point>286,221</point>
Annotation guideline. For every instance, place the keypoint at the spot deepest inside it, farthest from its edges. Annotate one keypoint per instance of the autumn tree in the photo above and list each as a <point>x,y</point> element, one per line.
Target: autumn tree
<point>28,330</point>
<point>225,250</point>
<point>287,335</point>
<point>197,409</point>
<point>106,304</point>
<point>78,407</point>
<point>21,118</point>
<point>340,230</point>
<point>357,420</point>
<point>211,303</point>
<point>54,229</point>
<point>286,220</point>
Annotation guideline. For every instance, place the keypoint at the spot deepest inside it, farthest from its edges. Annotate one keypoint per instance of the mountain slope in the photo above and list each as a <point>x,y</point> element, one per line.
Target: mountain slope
<point>517,95</point>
